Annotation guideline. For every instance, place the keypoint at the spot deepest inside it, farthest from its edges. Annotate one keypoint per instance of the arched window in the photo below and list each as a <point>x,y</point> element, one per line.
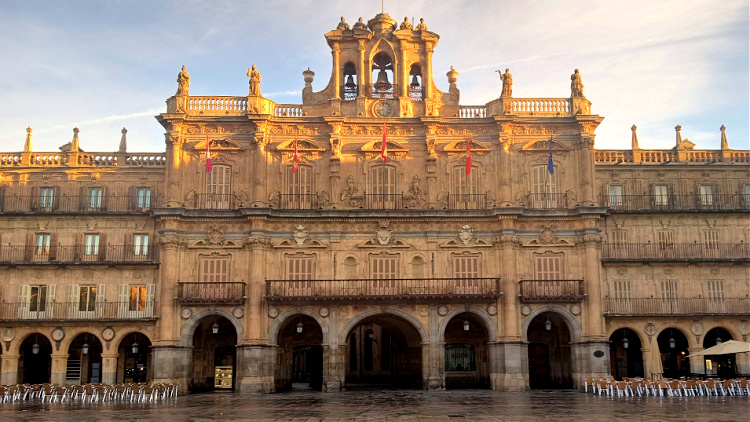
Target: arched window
<point>415,85</point>
<point>382,74</point>
<point>351,83</point>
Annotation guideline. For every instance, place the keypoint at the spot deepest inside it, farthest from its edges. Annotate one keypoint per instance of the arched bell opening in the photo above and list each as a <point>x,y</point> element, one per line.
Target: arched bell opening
<point>466,353</point>
<point>673,346</point>
<point>214,355</point>
<point>299,362</point>
<point>84,360</point>
<point>351,82</point>
<point>416,90</point>
<point>549,352</point>
<point>35,362</point>
<point>625,354</point>
<point>719,365</point>
<point>382,73</point>
<point>384,351</point>
<point>134,359</point>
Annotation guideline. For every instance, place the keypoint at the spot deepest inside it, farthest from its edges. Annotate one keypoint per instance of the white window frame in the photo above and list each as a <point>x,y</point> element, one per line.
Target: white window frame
<point>706,194</point>
<point>135,301</point>
<point>143,198</point>
<point>91,245</point>
<point>661,195</point>
<point>140,245</point>
<point>42,246</point>
<point>616,196</point>
<point>46,197</point>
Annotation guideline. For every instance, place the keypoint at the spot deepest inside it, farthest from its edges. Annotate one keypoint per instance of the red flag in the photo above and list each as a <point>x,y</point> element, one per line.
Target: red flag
<point>383,147</point>
<point>468,156</point>
<point>208,155</point>
<point>295,159</point>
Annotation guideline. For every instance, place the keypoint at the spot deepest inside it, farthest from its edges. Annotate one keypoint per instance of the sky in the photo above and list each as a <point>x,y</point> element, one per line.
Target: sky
<point>104,65</point>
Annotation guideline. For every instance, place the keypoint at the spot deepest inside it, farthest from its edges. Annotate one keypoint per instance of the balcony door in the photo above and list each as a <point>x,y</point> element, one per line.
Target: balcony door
<point>383,271</point>
<point>219,187</point>
<point>543,188</point>
<point>299,189</point>
<point>135,301</point>
<point>382,189</point>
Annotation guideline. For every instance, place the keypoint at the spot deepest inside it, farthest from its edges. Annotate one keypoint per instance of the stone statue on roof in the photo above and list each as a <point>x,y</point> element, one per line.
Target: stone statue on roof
<point>342,25</point>
<point>254,80</point>
<point>421,26</point>
<point>576,85</point>
<point>406,24</point>
<point>507,79</point>
<point>183,82</point>
<point>359,24</point>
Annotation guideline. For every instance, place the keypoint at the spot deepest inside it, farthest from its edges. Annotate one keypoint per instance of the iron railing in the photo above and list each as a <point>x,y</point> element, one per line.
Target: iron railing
<point>78,311</point>
<point>56,254</point>
<point>388,91</point>
<point>212,292</point>
<point>213,201</point>
<point>547,201</point>
<point>105,204</point>
<point>416,93</point>
<point>468,201</point>
<point>350,92</point>
<point>419,289</point>
<point>676,306</point>
<point>676,252</point>
<point>551,290</point>
<point>384,201</point>
<point>301,201</point>
<point>670,202</point>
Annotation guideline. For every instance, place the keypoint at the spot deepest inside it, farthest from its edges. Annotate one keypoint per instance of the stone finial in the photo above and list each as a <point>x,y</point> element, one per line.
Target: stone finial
<point>27,144</point>
<point>308,75</point>
<point>74,142</point>
<point>724,142</point>
<point>452,75</point>
<point>634,138</point>
<point>360,25</point>
<point>678,136</point>
<point>123,141</point>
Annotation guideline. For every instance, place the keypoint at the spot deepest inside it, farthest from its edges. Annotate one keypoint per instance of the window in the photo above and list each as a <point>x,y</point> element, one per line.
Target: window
<point>619,239</point>
<point>615,195</point>
<point>465,192</point>
<point>621,294</point>
<point>715,290</point>
<point>460,357</point>
<point>711,243</point>
<point>301,268</point>
<point>543,188</point>
<point>95,198</point>
<point>661,195</point>
<point>91,244</point>
<point>143,197</point>
<point>747,196</point>
<point>665,239</point>
<point>622,289</point>
<point>706,197</point>
<point>466,272</point>
<point>137,298</point>
<point>382,187</point>
<point>87,298</point>
<point>38,298</point>
<point>383,269</point>
<point>46,197</point>
<point>42,245</point>
<point>669,289</point>
<point>548,268</point>
<point>299,189</point>
<point>218,188</point>
<point>140,244</point>
<point>215,269</point>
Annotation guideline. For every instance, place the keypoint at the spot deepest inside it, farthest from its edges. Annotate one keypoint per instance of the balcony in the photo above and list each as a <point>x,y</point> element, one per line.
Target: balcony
<point>302,201</point>
<point>547,201</point>
<point>666,252</point>
<point>76,311</point>
<point>679,306</point>
<point>381,90</point>
<point>62,204</point>
<point>675,203</point>
<point>213,201</point>
<point>466,201</point>
<point>551,290</point>
<point>384,201</point>
<point>367,290</point>
<point>77,254</point>
<point>211,293</point>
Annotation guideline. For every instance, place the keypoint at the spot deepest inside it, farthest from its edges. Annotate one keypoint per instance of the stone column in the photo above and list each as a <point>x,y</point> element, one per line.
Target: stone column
<point>59,368</point>
<point>172,364</point>
<point>333,360</point>
<point>586,171</point>
<point>364,77</point>
<point>505,196</point>
<point>9,373</point>
<point>403,81</point>
<point>335,51</point>
<point>427,81</point>
<point>433,356</point>
<point>509,365</point>
<point>167,309</point>
<point>255,321</point>
<point>592,313</point>
<point>109,367</point>
<point>256,373</point>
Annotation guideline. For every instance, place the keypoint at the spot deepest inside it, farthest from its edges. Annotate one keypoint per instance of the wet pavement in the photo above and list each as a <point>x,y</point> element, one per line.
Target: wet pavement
<point>391,405</point>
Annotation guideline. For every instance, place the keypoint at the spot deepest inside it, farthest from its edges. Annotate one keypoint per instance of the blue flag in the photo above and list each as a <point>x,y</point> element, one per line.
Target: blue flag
<point>550,166</point>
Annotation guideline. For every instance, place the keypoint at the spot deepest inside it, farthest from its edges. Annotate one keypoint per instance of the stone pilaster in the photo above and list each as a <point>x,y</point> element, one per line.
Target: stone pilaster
<point>109,367</point>
<point>172,364</point>
<point>255,369</point>
<point>59,368</point>
<point>509,363</point>
<point>9,374</point>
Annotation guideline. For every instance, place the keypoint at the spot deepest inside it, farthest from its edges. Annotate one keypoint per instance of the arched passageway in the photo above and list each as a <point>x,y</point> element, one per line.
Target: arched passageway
<point>214,355</point>
<point>673,346</point>
<point>84,360</point>
<point>383,350</point>
<point>466,353</point>
<point>35,362</point>
<point>625,354</point>
<point>300,355</point>
<point>722,366</point>
<point>134,359</point>
<point>549,352</point>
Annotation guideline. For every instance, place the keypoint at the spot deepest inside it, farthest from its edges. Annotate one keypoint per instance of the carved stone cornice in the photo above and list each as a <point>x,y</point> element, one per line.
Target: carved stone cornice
<point>172,242</point>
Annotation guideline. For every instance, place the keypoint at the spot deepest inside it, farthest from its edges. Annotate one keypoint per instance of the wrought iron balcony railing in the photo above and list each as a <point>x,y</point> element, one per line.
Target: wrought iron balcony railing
<point>356,290</point>
<point>105,204</point>
<point>669,202</point>
<point>213,201</point>
<point>676,306</point>
<point>473,201</point>
<point>384,201</point>
<point>78,311</point>
<point>211,292</point>
<point>378,90</point>
<point>676,252</point>
<point>551,290</point>
<point>548,201</point>
<point>300,201</point>
<point>64,254</point>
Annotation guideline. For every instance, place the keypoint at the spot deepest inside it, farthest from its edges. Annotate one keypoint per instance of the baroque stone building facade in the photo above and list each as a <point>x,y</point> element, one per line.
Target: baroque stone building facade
<point>279,244</point>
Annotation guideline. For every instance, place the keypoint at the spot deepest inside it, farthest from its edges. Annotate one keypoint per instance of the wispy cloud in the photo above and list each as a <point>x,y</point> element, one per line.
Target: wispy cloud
<point>101,120</point>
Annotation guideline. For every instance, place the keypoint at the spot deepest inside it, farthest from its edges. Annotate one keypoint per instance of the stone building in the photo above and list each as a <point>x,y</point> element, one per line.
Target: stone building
<point>378,233</point>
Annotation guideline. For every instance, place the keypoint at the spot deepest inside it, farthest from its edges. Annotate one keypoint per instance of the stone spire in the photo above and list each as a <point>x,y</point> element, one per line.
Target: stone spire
<point>27,144</point>
<point>724,142</point>
<point>634,138</point>
<point>74,143</point>
<point>123,141</point>
<point>678,139</point>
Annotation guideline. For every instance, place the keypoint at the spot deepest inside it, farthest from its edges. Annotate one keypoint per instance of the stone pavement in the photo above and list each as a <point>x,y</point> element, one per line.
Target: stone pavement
<point>393,405</point>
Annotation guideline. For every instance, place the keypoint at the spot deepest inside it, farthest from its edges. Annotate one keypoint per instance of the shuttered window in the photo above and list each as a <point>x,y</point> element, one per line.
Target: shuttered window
<point>466,272</point>
<point>665,239</point>
<point>214,269</point>
<point>715,289</point>
<point>383,269</point>
<point>548,267</point>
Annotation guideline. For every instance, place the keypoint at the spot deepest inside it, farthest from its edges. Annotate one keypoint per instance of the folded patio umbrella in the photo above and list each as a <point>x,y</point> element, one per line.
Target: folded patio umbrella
<point>726,348</point>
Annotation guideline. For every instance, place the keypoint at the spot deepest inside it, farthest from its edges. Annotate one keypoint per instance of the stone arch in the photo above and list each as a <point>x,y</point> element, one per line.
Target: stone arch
<point>72,334</point>
<point>280,321</point>
<point>642,337</point>
<point>489,322</point>
<point>570,320</point>
<point>356,320</point>
<point>732,330</point>
<point>123,334</point>
<point>188,330</point>
<point>19,341</point>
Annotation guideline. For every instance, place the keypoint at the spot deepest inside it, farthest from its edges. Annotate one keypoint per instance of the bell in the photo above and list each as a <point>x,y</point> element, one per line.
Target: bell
<point>382,78</point>
<point>414,82</point>
<point>350,82</point>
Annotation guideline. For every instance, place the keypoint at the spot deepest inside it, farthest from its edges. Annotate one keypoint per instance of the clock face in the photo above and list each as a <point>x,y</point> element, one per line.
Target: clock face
<point>383,109</point>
